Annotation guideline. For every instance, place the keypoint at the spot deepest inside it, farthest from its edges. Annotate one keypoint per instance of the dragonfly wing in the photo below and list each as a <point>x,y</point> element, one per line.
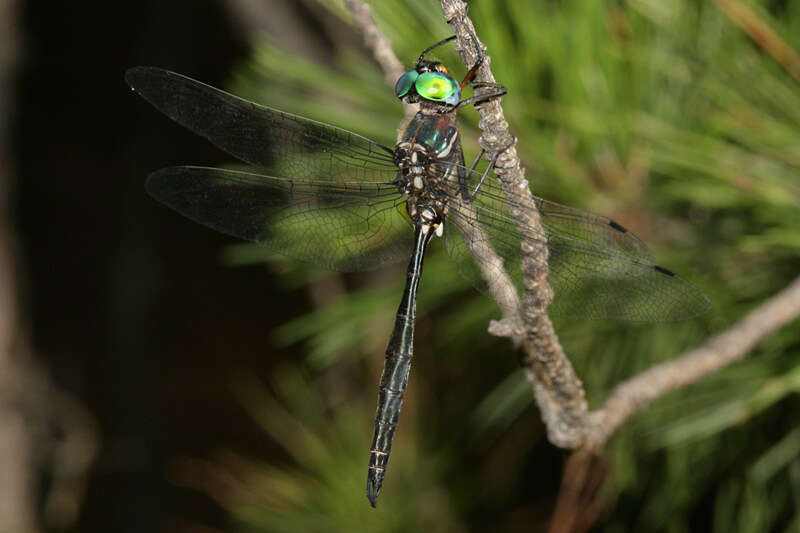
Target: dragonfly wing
<point>597,268</point>
<point>282,143</point>
<point>346,226</point>
<point>472,233</point>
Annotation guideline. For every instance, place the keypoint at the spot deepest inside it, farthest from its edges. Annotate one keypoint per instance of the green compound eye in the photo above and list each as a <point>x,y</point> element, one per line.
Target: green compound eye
<point>405,82</point>
<point>438,87</point>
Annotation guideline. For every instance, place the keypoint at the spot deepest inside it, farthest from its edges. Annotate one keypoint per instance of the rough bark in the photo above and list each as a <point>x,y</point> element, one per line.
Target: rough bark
<point>556,388</point>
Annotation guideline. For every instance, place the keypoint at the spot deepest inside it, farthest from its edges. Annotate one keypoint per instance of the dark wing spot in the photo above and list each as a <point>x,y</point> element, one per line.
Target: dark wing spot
<point>617,227</point>
<point>663,270</point>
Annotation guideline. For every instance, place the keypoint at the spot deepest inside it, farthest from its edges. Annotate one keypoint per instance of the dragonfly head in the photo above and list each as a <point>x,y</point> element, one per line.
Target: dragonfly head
<point>429,81</point>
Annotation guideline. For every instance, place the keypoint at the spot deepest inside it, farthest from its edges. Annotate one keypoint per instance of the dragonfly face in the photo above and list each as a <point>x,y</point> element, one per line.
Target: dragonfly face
<point>429,82</point>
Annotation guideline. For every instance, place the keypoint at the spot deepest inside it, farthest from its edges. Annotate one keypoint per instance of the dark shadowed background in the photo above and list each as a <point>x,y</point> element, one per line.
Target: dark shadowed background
<point>130,306</point>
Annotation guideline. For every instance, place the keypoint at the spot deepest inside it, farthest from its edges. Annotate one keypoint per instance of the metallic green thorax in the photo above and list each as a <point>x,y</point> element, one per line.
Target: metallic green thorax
<point>434,131</point>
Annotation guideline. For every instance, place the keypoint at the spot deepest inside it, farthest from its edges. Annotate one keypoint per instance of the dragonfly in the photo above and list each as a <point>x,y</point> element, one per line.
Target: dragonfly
<point>325,195</point>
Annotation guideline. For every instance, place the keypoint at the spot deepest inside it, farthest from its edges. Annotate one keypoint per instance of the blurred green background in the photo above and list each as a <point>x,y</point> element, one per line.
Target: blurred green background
<point>238,396</point>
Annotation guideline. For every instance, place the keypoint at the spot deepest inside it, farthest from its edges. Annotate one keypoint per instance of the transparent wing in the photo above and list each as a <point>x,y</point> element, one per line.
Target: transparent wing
<point>281,143</point>
<point>336,206</point>
<point>345,226</point>
<point>340,209</point>
<point>597,268</point>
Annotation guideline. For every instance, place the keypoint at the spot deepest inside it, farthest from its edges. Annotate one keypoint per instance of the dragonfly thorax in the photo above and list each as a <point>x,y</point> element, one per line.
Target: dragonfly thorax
<point>413,161</point>
<point>423,183</point>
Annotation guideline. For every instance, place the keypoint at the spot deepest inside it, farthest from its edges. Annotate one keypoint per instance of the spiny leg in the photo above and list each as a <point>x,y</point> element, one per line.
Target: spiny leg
<point>431,47</point>
<point>483,98</point>
<point>470,197</point>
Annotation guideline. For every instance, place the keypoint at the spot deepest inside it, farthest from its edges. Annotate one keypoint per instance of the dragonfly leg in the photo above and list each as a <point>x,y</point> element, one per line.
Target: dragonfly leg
<point>470,197</point>
<point>463,178</point>
<point>476,100</point>
<point>468,77</point>
<point>496,86</point>
<point>483,98</point>
<point>431,47</point>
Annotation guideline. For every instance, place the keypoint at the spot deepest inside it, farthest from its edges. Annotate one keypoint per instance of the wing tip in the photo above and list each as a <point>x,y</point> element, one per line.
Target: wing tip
<point>155,179</point>
<point>134,76</point>
<point>140,77</point>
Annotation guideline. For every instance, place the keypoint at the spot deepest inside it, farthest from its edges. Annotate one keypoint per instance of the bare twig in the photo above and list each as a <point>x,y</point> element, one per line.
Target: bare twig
<point>557,389</point>
<point>381,48</point>
<point>499,284</point>
<point>376,41</point>
<point>718,352</point>
<point>577,506</point>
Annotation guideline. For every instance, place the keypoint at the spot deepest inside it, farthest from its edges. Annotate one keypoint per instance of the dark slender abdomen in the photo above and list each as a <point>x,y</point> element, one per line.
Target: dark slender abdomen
<point>395,371</point>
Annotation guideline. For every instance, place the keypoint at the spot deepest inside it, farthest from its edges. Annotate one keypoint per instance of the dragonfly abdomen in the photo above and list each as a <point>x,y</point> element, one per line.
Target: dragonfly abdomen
<point>396,368</point>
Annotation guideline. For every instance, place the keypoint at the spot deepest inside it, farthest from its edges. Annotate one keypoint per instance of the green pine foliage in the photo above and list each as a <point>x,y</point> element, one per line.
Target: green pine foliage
<point>663,115</point>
